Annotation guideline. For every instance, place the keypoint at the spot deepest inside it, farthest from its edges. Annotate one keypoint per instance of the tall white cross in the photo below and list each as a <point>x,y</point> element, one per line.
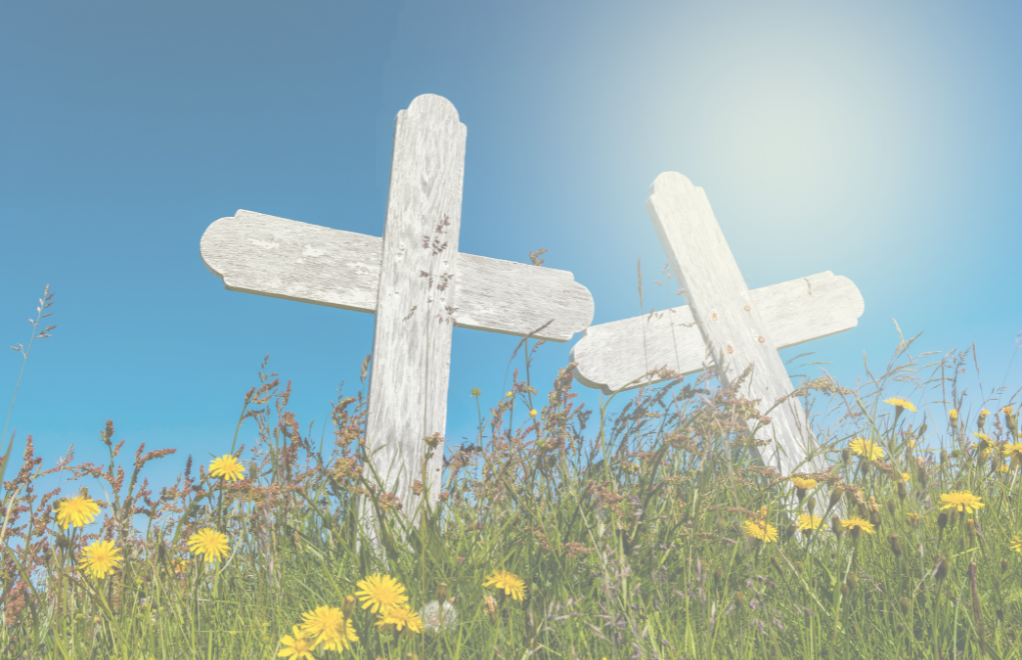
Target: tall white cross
<point>413,279</point>
<point>724,323</point>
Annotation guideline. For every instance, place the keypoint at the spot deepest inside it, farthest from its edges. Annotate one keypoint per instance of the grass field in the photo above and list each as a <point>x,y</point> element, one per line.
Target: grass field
<point>568,533</point>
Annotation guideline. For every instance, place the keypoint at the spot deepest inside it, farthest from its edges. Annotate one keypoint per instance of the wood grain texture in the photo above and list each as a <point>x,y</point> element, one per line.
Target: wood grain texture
<point>412,338</point>
<point>619,355</point>
<point>281,258</point>
<point>733,329</point>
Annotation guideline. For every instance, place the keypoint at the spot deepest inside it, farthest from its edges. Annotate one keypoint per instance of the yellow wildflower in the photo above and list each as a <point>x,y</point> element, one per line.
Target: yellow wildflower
<point>297,647</point>
<point>77,511</point>
<point>101,558</point>
<point>210,543</point>
<point>509,582</point>
<point>228,467</point>
<point>379,593</point>
<point>960,500</point>
<point>761,530</point>
<point>400,618</point>
<point>867,449</point>
<point>899,402</point>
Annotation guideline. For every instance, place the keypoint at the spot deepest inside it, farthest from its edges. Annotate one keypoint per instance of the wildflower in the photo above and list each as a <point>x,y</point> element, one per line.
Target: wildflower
<point>379,593</point>
<point>1011,421</point>
<point>960,500</point>
<point>905,476</point>
<point>329,626</point>
<point>982,419</point>
<point>1016,543</point>
<point>226,466</point>
<point>533,413</point>
<point>475,391</point>
<point>913,519</point>
<point>855,525</point>
<point>761,530</point>
<point>984,446</point>
<point>509,582</point>
<point>1013,450</point>
<point>400,618</point>
<point>208,542</point>
<point>867,449</point>
<point>899,403</point>
<point>438,616</point>
<point>510,394</point>
<point>803,484</point>
<point>101,558</point>
<point>953,415</point>
<point>807,522</point>
<point>297,647</point>
<point>78,511</point>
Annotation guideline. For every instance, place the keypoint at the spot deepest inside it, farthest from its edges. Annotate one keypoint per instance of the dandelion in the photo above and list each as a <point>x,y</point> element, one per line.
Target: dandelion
<point>78,511</point>
<point>1011,421</point>
<point>101,558</point>
<point>761,530</point>
<point>982,419</point>
<point>899,403</point>
<point>379,593</point>
<point>400,618</point>
<point>961,501</point>
<point>1014,451</point>
<point>210,543</point>
<point>856,525</point>
<point>297,647</point>
<point>984,446</point>
<point>1016,543</point>
<point>533,413</point>
<point>228,467</point>
<point>952,415</point>
<point>905,476</point>
<point>329,626</point>
<point>509,582</point>
<point>868,449</point>
<point>438,616</point>
<point>807,522</point>
<point>510,394</point>
<point>803,484</point>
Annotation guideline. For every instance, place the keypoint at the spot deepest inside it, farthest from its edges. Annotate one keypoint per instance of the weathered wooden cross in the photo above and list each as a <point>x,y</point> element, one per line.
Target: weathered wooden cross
<point>723,324</point>
<point>413,279</point>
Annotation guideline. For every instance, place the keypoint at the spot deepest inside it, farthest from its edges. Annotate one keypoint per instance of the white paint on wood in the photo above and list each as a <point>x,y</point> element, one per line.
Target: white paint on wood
<point>621,354</point>
<point>734,331</point>
<point>271,256</point>
<point>281,258</point>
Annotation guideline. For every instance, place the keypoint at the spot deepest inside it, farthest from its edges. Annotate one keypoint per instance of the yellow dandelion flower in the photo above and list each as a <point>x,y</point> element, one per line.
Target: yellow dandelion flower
<point>953,414</point>
<point>867,449</point>
<point>228,467</point>
<point>905,476</point>
<point>1007,410</point>
<point>984,412</point>
<point>803,484</point>
<point>512,585</point>
<point>400,618</point>
<point>1016,543</point>
<point>533,413</point>
<point>328,626</point>
<point>960,500</point>
<point>210,543</point>
<point>297,647</point>
<point>1013,451</point>
<point>101,558</point>
<point>809,522</point>
<point>899,402</point>
<point>854,523</point>
<point>379,593</point>
<point>77,511</point>
<point>761,530</point>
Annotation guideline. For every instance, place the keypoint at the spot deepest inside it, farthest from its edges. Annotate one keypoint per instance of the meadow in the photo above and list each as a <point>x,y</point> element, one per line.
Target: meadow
<point>561,532</point>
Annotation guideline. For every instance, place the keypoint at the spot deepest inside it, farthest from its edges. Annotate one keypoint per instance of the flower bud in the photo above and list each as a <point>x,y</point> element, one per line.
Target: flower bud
<point>846,455</point>
<point>835,525</point>
<point>852,581</point>
<point>895,545</point>
<point>348,606</point>
<point>718,575</point>
<point>970,526</point>
<point>844,589</point>
<point>906,605</point>
<point>892,508</point>
<point>740,599</point>
<point>1004,565</point>
<point>776,563</point>
<point>835,495</point>
<point>902,490</point>
<point>943,456</point>
<point>943,568</point>
<point>924,478</point>
<point>811,504</point>
<point>442,591</point>
<point>942,520</point>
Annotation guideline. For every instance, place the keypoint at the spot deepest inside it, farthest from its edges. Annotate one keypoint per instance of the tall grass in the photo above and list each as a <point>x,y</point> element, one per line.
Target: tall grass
<point>633,535</point>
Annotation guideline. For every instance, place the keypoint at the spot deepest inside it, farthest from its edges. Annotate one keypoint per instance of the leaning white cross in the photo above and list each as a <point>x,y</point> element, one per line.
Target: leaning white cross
<point>724,319</point>
<point>413,279</point>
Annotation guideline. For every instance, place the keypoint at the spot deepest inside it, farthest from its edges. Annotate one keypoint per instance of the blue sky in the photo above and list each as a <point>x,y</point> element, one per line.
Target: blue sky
<point>876,140</point>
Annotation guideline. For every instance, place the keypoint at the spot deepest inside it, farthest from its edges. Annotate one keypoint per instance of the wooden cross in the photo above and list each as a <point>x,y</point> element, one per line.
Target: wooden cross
<point>724,324</point>
<point>416,283</point>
